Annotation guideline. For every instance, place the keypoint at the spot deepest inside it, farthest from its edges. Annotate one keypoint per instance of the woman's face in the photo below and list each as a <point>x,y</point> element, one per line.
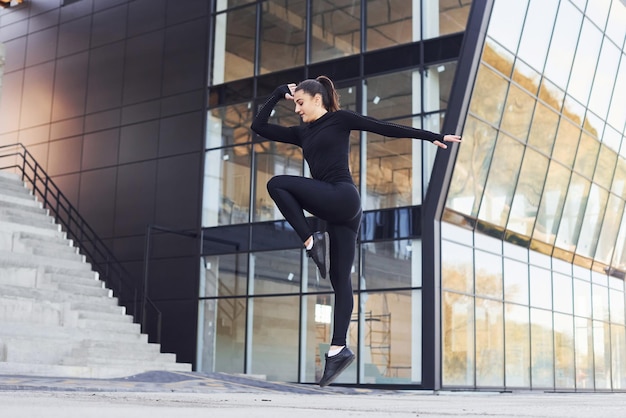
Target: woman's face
<point>308,107</point>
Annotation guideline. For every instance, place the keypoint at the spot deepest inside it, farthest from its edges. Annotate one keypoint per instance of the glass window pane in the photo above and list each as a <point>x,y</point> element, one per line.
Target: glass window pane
<point>282,35</point>
<point>598,11</point>
<point>596,206</point>
<point>388,264</point>
<point>227,4</point>
<point>528,78</point>
<point>615,28</point>
<point>444,17</point>
<point>437,81</point>
<point>617,116</point>
<point>582,298</point>
<point>335,29</point>
<point>517,351</point>
<point>564,351</point>
<point>489,343</point>
<point>607,159</point>
<point>610,227</point>
<point>540,288</point>
<point>274,348</point>
<point>602,354</point>
<point>584,353</point>
<point>275,272</point>
<point>505,25</point>
<point>552,200</point>
<point>222,340</point>
<point>226,198</point>
<point>393,164</point>
<point>501,183</point>
<point>488,272</point>
<point>469,177</point>
<point>584,62</point>
<point>317,332</point>
<point>225,275</point>
<point>616,300</point>
<point>229,125</point>
<point>543,129</point>
<point>573,213</point>
<point>457,263</point>
<point>390,351</point>
<point>618,357</point>
<point>563,294</point>
<point>542,361</point>
<point>528,193</point>
<point>233,56</point>
<point>537,32</point>
<point>587,155</point>
<point>458,340</point>
<point>488,96</point>
<point>600,302</point>
<point>272,159</point>
<point>604,79</point>
<point>518,113</point>
<point>498,57</point>
<point>515,281</point>
<point>567,139</point>
<point>563,44</point>
<point>390,23</point>
<point>552,95</point>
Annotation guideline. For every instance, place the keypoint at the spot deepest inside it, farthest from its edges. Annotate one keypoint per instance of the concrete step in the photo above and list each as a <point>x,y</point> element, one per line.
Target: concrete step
<point>39,221</point>
<point>79,289</point>
<point>104,316</point>
<point>67,334</point>
<point>33,311</point>
<point>54,249</point>
<point>103,325</point>
<point>26,206</point>
<point>96,372</point>
<point>12,185</point>
<point>108,308</point>
<point>78,302</point>
<point>21,200</point>
<point>51,264</point>
<point>8,227</point>
<point>44,239</point>
<point>10,189</point>
<point>81,280</point>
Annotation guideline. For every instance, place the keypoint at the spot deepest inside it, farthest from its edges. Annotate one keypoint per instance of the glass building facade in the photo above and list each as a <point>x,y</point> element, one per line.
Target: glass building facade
<point>498,263</point>
<point>533,233</point>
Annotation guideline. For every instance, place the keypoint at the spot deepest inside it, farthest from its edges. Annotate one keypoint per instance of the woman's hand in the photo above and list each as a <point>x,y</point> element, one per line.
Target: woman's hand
<point>447,138</point>
<point>292,89</point>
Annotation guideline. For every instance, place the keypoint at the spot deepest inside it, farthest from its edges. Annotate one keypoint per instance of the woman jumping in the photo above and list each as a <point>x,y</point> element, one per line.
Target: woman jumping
<point>330,194</point>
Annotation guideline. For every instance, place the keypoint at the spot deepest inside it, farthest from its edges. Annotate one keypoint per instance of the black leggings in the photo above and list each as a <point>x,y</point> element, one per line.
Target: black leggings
<point>339,204</point>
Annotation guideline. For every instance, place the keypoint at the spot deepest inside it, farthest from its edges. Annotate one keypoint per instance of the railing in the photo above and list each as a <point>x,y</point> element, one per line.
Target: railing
<point>16,158</point>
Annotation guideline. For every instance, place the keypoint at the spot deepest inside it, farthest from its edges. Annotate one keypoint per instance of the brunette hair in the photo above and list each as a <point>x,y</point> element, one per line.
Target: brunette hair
<point>325,87</point>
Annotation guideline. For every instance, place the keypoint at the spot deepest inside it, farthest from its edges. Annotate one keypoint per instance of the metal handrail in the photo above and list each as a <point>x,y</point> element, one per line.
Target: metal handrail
<point>111,271</point>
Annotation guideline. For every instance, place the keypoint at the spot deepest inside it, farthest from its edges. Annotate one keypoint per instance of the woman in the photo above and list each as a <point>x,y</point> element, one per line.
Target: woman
<point>330,194</point>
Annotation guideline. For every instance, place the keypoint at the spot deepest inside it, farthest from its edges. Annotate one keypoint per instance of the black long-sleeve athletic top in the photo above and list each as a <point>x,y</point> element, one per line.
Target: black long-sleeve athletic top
<point>325,142</point>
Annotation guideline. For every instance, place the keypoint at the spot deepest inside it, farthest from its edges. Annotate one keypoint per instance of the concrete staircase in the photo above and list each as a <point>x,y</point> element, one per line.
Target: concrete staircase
<point>56,317</point>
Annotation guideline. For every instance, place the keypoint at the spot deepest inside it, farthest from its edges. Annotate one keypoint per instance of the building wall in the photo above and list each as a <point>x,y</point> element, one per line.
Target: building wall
<point>534,230</point>
<point>109,96</point>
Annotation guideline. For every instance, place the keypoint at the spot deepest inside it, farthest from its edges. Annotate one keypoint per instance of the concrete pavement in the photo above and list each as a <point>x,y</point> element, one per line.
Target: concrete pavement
<point>191,395</point>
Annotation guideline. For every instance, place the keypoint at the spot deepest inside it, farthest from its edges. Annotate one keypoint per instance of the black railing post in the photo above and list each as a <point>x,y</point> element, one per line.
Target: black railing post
<point>146,267</point>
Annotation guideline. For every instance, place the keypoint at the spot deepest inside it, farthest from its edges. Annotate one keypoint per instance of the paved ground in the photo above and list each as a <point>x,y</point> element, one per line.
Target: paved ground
<point>190,395</point>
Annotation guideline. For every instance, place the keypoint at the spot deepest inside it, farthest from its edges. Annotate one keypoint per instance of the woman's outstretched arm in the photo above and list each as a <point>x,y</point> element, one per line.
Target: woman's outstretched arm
<point>394,130</point>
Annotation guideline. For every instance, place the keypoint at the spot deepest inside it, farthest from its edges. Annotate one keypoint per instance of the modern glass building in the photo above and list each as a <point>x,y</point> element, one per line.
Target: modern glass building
<point>499,264</point>
<point>496,264</point>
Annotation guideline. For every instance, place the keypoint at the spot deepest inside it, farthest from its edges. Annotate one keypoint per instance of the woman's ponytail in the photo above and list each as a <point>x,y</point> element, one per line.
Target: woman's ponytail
<point>333,97</point>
